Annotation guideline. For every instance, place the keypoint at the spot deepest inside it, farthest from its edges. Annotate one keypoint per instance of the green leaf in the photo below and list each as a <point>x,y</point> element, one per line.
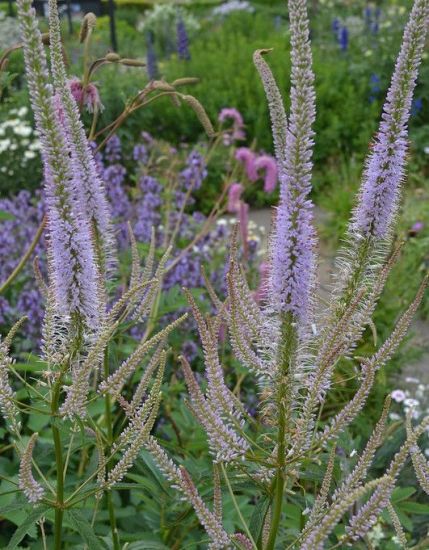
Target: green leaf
<point>147,542</point>
<point>81,525</point>
<point>10,508</point>
<point>414,508</point>
<point>402,493</point>
<point>6,216</point>
<point>26,526</point>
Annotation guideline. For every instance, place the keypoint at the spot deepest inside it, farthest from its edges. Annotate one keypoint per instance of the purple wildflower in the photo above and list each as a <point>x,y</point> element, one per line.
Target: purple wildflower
<point>385,166</point>
<point>416,228</point>
<point>140,153</point>
<point>151,62</point>
<point>292,255</point>
<point>195,172</point>
<point>113,149</point>
<point>182,41</point>
<point>343,38</point>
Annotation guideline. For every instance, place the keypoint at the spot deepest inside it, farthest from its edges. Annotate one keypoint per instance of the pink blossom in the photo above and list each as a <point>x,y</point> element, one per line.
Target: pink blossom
<point>76,89</point>
<point>247,158</point>
<point>267,163</point>
<point>416,228</point>
<point>231,113</point>
<point>234,194</point>
<point>237,127</point>
<point>88,96</point>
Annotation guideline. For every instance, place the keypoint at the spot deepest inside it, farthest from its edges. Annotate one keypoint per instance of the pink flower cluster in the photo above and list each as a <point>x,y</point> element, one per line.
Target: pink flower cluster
<point>87,96</point>
<point>237,132</point>
<point>254,163</point>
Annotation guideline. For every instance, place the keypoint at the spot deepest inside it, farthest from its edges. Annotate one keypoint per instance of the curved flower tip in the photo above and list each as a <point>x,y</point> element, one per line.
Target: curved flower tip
<point>267,163</point>
<point>238,133</point>
<point>247,158</point>
<point>234,194</point>
<point>231,113</point>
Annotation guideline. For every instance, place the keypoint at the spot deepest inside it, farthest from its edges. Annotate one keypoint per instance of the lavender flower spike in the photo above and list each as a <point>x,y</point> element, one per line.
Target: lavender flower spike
<point>95,202</point>
<point>292,256</point>
<point>378,201</point>
<point>73,269</point>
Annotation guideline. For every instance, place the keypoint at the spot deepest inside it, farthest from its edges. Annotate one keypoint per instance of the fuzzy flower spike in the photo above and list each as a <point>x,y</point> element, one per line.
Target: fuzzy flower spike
<point>293,242</point>
<point>378,201</point>
<point>94,201</point>
<point>360,262</point>
<point>73,271</point>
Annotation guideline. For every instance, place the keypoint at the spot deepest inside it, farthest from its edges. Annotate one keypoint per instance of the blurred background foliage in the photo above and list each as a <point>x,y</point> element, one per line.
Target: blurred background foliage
<point>355,44</point>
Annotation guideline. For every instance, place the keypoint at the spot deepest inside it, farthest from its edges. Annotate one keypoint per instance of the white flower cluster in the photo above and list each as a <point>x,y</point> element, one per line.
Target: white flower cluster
<point>17,135</point>
<point>414,400</point>
<point>233,5</point>
<point>9,32</point>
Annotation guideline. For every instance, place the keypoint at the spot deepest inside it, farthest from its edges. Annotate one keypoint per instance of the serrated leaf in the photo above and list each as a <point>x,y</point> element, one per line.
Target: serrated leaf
<point>82,526</point>
<point>258,517</point>
<point>26,526</point>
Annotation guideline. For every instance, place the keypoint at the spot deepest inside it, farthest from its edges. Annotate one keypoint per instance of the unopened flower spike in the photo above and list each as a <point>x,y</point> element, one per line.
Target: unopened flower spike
<point>30,487</point>
<point>275,104</point>
<point>8,407</point>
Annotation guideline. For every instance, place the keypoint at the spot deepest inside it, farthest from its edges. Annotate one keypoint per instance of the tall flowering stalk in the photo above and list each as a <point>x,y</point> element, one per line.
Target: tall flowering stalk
<point>294,352</point>
<point>77,328</point>
<point>92,190</point>
<point>292,249</point>
<point>361,269</point>
<point>378,199</point>
<point>72,262</point>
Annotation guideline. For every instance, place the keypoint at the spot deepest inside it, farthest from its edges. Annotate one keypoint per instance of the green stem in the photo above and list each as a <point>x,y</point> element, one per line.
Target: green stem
<point>59,510</point>
<point>284,400</point>
<point>109,426</point>
<point>24,259</point>
<point>237,507</point>
<point>279,484</point>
